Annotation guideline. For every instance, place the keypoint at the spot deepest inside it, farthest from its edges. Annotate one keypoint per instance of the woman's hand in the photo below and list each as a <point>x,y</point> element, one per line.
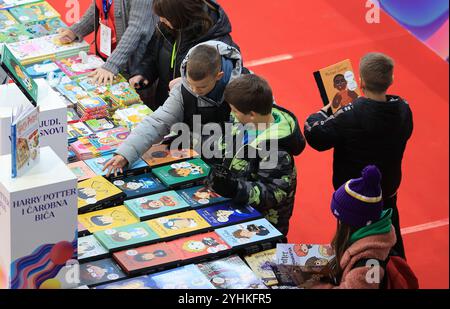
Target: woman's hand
<point>102,77</point>
<point>137,81</point>
<point>116,164</point>
<point>66,36</point>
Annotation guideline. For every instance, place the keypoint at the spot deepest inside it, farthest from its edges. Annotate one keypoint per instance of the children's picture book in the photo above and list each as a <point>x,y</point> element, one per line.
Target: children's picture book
<point>98,164</point>
<point>123,94</point>
<point>183,172</point>
<point>78,129</point>
<point>6,4</point>
<point>156,205</point>
<point>261,264</point>
<point>17,73</point>
<point>98,272</point>
<point>25,150</point>
<point>249,232</point>
<point>186,277</point>
<point>14,33</point>
<point>309,258</point>
<point>89,249</point>
<point>107,219</point>
<point>72,116</point>
<point>96,190</point>
<point>82,230</point>
<point>42,69</point>
<point>162,154</point>
<point>99,125</point>
<point>231,273</point>
<point>137,283</point>
<point>33,12</point>
<point>72,92</point>
<point>140,185</point>
<point>106,142</point>
<point>6,19</point>
<point>201,196</point>
<point>44,27</point>
<point>80,65</point>
<point>81,170</point>
<point>133,115</point>
<point>147,258</point>
<point>227,214</point>
<point>200,245</point>
<point>178,224</point>
<point>123,237</point>
<point>337,84</point>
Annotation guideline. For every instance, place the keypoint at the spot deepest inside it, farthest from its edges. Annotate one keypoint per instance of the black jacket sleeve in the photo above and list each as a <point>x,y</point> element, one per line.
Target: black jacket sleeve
<point>149,65</point>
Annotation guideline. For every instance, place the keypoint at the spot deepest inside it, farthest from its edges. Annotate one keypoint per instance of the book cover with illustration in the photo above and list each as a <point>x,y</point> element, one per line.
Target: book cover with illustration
<point>6,20</point>
<point>337,84</point>
<point>98,272</point>
<point>156,205</point>
<point>105,219</point>
<point>200,245</point>
<point>95,191</point>
<point>81,170</point>
<point>98,164</point>
<point>34,12</point>
<point>79,65</point>
<point>133,115</point>
<point>72,116</point>
<point>147,258</point>
<point>106,142</point>
<point>123,237</point>
<point>137,283</point>
<point>140,185</point>
<point>227,214</point>
<point>14,33</point>
<point>307,257</point>
<point>76,130</point>
<point>25,149</point>
<point>72,91</point>
<point>186,277</point>
<point>44,27</point>
<point>99,125</point>
<point>178,224</point>
<point>162,154</point>
<point>201,196</point>
<point>123,94</point>
<point>249,232</point>
<point>82,230</point>
<point>18,74</point>
<point>183,172</point>
<point>89,248</point>
<point>261,264</point>
<point>6,4</point>
<point>231,273</point>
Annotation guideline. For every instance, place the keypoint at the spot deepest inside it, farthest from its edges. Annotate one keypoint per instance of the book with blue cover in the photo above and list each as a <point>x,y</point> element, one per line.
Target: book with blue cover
<point>89,248</point>
<point>98,272</point>
<point>186,277</point>
<point>181,173</point>
<point>156,205</point>
<point>249,233</point>
<point>72,91</point>
<point>97,165</point>
<point>201,196</point>
<point>137,283</point>
<point>231,273</point>
<point>222,215</point>
<point>120,238</point>
<point>140,185</point>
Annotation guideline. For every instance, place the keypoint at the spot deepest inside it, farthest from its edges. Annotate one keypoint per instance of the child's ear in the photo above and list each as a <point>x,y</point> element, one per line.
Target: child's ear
<point>220,75</point>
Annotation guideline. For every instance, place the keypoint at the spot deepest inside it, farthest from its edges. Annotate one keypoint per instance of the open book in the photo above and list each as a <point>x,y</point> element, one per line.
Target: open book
<point>24,139</point>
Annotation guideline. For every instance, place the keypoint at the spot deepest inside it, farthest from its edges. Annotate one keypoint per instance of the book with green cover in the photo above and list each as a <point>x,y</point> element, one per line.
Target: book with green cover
<point>183,172</point>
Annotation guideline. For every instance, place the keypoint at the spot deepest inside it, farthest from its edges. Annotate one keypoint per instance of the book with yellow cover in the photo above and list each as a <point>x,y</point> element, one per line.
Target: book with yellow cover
<point>178,224</point>
<point>96,192</point>
<point>107,219</point>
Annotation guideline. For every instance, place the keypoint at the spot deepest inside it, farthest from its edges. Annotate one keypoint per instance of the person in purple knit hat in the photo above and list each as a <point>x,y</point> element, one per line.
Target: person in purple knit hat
<point>364,231</point>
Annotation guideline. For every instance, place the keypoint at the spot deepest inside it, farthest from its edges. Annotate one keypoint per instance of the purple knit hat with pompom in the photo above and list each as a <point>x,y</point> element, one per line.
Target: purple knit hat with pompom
<point>359,202</point>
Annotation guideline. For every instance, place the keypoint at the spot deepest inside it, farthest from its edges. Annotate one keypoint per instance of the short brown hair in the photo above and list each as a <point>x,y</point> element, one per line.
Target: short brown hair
<point>204,61</point>
<point>377,70</point>
<point>250,93</point>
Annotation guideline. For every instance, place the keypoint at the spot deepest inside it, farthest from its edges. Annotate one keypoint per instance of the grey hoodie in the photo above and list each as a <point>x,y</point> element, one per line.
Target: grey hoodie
<point>155,127</point>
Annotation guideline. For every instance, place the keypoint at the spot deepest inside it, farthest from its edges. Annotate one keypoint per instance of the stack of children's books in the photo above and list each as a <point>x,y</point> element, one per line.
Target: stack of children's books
<point>80,64</point>
<point>123,94</point>
<point>92,108</point>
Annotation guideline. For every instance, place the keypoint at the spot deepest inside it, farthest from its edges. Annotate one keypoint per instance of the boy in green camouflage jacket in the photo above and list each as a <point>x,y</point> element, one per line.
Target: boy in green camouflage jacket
<point>258,168</point>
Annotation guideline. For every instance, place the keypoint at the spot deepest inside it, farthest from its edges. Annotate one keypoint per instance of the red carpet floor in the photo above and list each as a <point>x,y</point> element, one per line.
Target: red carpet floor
<point>313,34</point>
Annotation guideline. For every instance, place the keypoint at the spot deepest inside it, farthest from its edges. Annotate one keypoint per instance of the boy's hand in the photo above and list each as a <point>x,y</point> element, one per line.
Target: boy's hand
<point>116,164</point>
<point>222,182</point>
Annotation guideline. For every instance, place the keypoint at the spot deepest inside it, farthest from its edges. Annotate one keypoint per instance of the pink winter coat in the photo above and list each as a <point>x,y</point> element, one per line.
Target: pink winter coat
<point>371,247</point>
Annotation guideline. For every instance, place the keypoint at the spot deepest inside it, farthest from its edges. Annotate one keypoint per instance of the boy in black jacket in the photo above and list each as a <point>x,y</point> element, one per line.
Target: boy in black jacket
<point>258,167</point>
<point>373,130</point>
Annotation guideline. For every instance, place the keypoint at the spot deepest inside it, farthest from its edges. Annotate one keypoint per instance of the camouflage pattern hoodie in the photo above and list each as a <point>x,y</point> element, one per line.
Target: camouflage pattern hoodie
<point>267,181</point>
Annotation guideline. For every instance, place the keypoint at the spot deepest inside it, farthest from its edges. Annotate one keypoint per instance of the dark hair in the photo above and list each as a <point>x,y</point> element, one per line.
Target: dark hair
<point>204,61</point>
<point>338,75</point>
<point>377,70</point>
<point>96,220</point>
<point>340,243</point>
<point>250,93</point>
<point>183,14</point>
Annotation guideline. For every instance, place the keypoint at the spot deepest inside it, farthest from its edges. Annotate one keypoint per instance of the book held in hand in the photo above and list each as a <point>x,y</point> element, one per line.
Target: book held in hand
<point>337,84</point>
<point>261,264</point>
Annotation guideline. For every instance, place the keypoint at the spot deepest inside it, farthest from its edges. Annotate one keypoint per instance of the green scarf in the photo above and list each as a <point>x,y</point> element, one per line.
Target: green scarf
<point>382,226</point>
